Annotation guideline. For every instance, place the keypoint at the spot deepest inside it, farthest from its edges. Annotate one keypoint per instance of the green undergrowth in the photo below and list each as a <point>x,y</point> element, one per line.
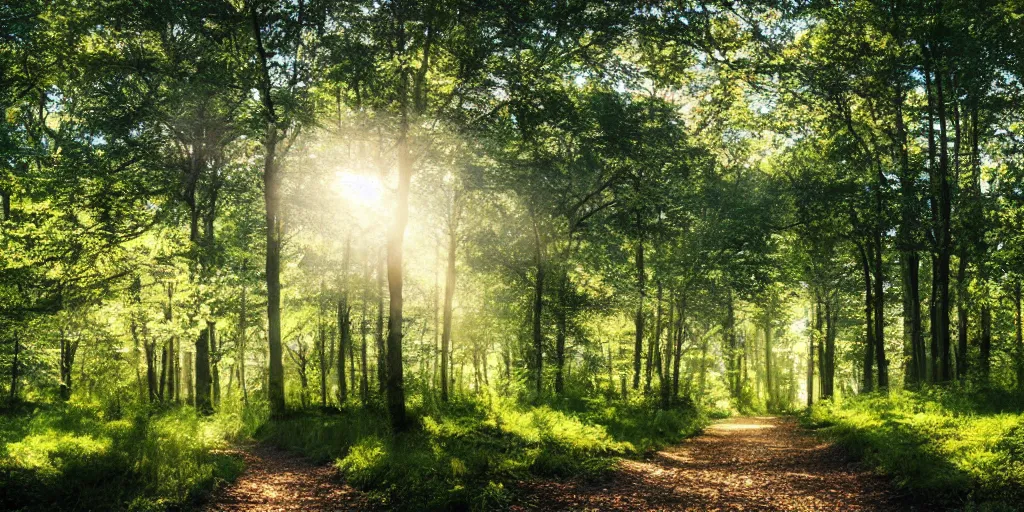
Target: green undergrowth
<point>951,448</point>
<point>469,454</point>
<point>85,456</point>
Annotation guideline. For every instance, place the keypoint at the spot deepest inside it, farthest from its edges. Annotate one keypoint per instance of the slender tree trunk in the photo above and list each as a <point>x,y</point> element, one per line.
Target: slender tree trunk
<point>321,347</point>
<point>768,369</point>
<point>913,340</point>
<point>943,238</point>
<point>656,342</point>
<point>702,381</point>
<point>678,352</point>
<point>396,243</point>
<point>934,305</point>
<point>382,361</point>
<point>815,330</point>
<point>436,309</point>
<point>67,364</point>
<point>879,295</point>
<point>666,368</point>
<point>731,350</point>
<point>641,280</point>
<point>538,337</point>
<point>829,353</point>
<point>1018,333</point>
<point>274,223</point>
<point>560,331</point>
<point>189,390</point>
<point>344,322</point>
<point>202,372</point>
<point>151,382</point>
<point>986,340</point>
<point>364,327</point>
<point>242,339</point>
<point>449,294</point>
<point>867,382</point>
<point>962,320</point>
<point>164,360</point>
<point>214,364</point>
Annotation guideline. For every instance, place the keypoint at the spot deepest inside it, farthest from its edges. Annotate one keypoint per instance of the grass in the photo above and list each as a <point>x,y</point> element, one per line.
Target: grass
<point>952,448</point>
<point>467,454</point>
<point>470,454</point>
<point>83,456</point>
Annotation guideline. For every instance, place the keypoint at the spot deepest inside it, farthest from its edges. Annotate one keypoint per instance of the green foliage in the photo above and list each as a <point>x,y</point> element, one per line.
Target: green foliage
<point>470,453</point>
<point>943,446</point>
<point>77,456</point>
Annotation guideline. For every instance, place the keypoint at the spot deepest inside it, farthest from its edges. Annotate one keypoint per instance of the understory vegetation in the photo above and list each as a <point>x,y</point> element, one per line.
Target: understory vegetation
<point>957,448</point>
<point>87,456</point>
<point>472,453</point>
<point>468,453</point>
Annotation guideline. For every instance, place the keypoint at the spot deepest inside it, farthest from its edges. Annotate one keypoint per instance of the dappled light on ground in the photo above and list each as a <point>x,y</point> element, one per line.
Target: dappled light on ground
<point>276,480</point>
<point>740,426</point>
<point>740,464</point>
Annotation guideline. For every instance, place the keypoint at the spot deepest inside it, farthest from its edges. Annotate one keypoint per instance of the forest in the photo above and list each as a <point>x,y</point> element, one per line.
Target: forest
<point>511,255</point>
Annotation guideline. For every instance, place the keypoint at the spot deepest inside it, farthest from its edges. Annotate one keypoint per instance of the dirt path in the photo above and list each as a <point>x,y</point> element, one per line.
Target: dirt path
<point>741,464</point>
<point>276,480</point>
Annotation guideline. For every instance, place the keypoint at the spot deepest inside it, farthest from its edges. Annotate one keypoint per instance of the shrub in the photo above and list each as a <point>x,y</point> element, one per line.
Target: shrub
<point>471,453</point>
<point>943,446</point>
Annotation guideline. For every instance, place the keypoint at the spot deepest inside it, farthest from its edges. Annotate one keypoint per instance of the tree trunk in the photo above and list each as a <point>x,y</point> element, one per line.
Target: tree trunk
<point>656,342</point>
<point>867,382</point>
<point>382,362</point>
<point>164,359</point>
<point>641,279</point>
<point>731,353</point>
<point>1018,334</point>
<point>560,332</point>
<point>678,352</point>
<point>151,382</point>
<point>538,338</point>
<point>321,347</point>
<point>986,340</point>
<point>344,322</point>
<point>768,370</point>
<point>436,310</point>
<point>829,356</point>
<point>364,327</point>
<point>189,390</point>
<point>202,371</point>
<point>913,339</point>
<point>935,341</point>
<point>666,369</point>
<point>449,294</point>
<point>879,296</point>
<point>396,243</point>
<point>962,320</point>
<point>67,364</point>
<point>274,223</point>
<point>215,363</point>
<point>943,238</point>
<point>815,330</point>
<point>242,339</point>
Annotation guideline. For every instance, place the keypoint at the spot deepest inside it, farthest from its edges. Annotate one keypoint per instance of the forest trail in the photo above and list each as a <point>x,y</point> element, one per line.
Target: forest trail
<point>754,463</point>
<point>276,480</point>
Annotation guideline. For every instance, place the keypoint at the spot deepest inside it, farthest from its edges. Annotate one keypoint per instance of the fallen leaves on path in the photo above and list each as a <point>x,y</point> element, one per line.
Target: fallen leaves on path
<point>276,480</point>
<point>760,463</point>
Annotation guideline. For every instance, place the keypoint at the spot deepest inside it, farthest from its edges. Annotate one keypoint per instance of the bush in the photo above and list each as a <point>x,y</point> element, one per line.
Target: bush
<point>943,446</point>
<point>76,456</point>
<point>471,453</point>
